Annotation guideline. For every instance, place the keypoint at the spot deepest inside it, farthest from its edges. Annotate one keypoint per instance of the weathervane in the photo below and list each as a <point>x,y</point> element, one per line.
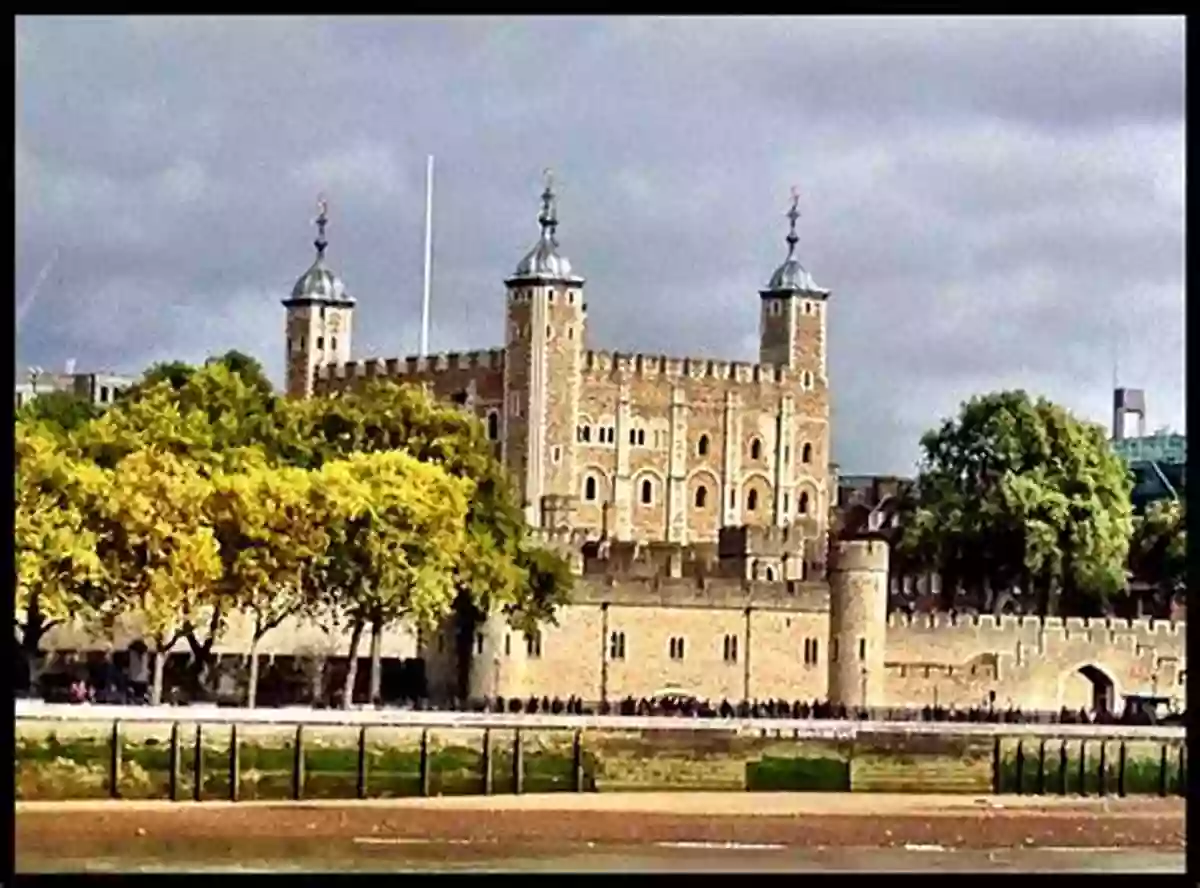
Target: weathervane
<point>322,218</point>
<point>793,215</point>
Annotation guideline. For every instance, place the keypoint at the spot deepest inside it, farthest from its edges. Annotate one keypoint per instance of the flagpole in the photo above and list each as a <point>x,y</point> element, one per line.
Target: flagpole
<point>428,256</point>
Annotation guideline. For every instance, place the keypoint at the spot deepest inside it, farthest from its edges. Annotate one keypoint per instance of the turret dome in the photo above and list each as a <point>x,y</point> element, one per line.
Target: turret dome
<point>544,261</point>
<point>320,283</point>
<point>791,276</point>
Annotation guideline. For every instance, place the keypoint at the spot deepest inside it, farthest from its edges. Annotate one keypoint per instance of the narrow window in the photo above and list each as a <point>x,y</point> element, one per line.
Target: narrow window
<point>702,445</point>
<point>676,648</point>
<point>807,651</point>
<point>751,500</point>
<point>589,490</point>
<point>730,649</point>
<point>833,650</point>
<point>755,449</point>
<point>786,503</point>
<point>647,492</point>
<point>616,646</point>
<point>803,503</point>
<point>493,426</point>
<point>103,394</point>
<point>701,496</point>
<point>806,454</point>
<point>556,455</point>
<point>815,650</point>
<point>507,644</point>
<point>303,342</point>
<point>732,499</point>
<point>533,644</point>
<point>570,332</point>
<point>641,437</point>
<point>632,436</point>
<point>333,343</point>
<point>289,341</point>
<point>320,343</point>
<point>549,332</point>
<point>479,642</point>
<point>770,574</point>
<point>862,649</point>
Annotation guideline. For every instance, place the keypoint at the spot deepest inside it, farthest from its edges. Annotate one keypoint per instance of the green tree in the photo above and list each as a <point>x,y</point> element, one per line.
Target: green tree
<point>396,535</point>
<point>57,571</point>
<point>1019,492</point>
<point>1158,553</point>
<point>61,410</point>
<point>161,559</point>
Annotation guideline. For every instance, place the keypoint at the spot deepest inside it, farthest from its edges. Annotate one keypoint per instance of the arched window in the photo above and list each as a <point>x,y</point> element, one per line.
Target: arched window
<point>641,437</point>
<point>589,490</point>
<point>806,454</point>
<point>701,496</point>
<point>751,500</point>
<point>756,449</point>
<point>770,574</point>
<point>647,492</point>
<point>803,503</point>
<point>702,445</point>
<point>493,426</point>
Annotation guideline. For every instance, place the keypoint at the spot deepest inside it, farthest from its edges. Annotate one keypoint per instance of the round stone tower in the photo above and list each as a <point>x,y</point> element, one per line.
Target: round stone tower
<point>858,586</point>
<point>498,661</point>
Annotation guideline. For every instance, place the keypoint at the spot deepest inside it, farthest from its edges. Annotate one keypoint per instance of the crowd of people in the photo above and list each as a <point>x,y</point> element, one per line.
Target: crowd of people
<point>690,707</point>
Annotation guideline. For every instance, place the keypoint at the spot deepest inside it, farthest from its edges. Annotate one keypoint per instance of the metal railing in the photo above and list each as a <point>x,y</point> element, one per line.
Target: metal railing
<point>1040,737</point>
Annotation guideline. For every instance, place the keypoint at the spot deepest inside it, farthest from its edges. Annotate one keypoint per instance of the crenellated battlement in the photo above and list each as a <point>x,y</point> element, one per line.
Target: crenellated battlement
<point>940,620</point>
<point>603,363</point>
<point>386,368</point>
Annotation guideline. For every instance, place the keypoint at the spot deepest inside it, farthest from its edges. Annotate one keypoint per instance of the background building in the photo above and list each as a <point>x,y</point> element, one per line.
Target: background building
<point>100,389</point>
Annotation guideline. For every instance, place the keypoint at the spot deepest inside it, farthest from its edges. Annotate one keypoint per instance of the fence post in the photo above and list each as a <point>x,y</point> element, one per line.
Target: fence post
<point>1103,770</point>
<point>298,765</point>
<point>997,768</point>
<point>114,771</point>
<point>174,764</point>
<point>1041,771</point>
<point>577,761</point>
<point>1062,767</point>
<point>1182,769</point>
<point>1121,763</point>
<point>1020,767</point>
<point>198,766</point>
<point>235,769</point>
<point>486,763</point>
<point>518,763</point>
<point>1162,771</point>
<point>361,783</point>
<point>1083,767</point>
<point>425,763</point>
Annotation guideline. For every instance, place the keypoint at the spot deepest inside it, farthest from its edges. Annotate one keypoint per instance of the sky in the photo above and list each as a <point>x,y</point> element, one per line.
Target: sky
<point>993,202</point>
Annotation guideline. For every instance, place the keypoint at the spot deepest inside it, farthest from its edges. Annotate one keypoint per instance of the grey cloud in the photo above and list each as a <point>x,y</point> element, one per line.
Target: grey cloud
<point>992,202</point>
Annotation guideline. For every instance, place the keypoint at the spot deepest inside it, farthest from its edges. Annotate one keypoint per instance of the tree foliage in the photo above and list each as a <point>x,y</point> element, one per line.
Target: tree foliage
<point>217,494</point>
<point>61,411</point>
<point>57,569</point>
<point>1158,553</point>
<point>1019,492</point>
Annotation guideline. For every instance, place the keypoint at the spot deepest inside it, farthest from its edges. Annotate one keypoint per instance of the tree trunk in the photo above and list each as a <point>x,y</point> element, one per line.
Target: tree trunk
<point>32,632</point>
<point>252,683</point>
<point>352,665</point>
<point>376,682</point>
<point>156,685</point>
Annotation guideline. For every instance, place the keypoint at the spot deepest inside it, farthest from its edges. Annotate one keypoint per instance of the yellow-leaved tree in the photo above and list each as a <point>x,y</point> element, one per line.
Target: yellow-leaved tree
<point>271,531</point>
<point>160,556</point>
<point>58,574</point>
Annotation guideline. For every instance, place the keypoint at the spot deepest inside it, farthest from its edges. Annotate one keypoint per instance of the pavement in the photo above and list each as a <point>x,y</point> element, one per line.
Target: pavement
<point>609,832</point>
